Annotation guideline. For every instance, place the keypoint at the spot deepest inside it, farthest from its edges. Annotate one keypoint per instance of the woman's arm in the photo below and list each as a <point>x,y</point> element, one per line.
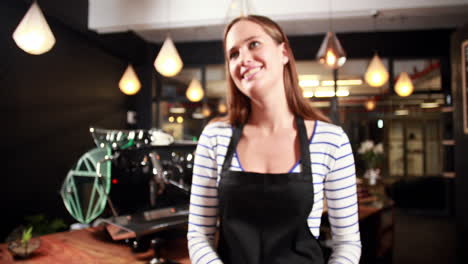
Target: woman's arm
<point>340,194</point>
<point>204,202</point>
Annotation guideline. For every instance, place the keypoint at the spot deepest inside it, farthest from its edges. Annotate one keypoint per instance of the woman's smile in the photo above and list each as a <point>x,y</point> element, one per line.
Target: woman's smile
<point>249,73</point>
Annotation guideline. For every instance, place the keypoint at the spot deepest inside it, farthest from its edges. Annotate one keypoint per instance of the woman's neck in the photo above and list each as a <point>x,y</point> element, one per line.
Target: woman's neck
<point>271,114</point>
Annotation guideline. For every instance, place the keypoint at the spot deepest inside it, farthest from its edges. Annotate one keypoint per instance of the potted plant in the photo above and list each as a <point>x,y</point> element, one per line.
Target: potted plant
<point>372,155</point>
<point>25,245</point>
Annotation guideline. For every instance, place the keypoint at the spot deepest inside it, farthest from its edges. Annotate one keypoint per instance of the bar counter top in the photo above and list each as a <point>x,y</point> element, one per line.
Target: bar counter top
<point>91,246</point>
<point>94,245</point>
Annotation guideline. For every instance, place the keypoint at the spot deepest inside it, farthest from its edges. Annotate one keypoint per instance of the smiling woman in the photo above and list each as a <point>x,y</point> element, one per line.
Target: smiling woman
<point>266,169</point>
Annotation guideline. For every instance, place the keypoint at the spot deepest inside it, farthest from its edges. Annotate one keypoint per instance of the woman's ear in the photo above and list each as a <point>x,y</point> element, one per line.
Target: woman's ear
<point>284,51</point>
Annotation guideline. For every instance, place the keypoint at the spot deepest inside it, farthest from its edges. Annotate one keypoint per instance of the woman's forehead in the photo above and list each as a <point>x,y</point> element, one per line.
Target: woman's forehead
<point>243,31</point>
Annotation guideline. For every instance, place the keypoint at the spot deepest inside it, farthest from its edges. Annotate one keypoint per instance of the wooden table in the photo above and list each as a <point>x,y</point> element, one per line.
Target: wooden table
<point>89,246</point>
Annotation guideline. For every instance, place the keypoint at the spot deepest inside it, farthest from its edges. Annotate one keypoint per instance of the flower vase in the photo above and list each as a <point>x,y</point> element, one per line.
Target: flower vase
<point>372,175</point>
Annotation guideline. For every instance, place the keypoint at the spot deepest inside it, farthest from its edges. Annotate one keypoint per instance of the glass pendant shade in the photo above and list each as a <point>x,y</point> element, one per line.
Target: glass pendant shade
<point>404,86</point>
<point>33,34</point>
<point>370,105</point>
<point>168,62</point>
<point>331,53</point>
<point>376,74</point>
<point>129,83</point>
<point>195,92</point>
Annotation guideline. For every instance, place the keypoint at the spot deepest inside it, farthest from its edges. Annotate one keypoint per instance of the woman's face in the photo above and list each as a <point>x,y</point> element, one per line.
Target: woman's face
<point>256,62</point>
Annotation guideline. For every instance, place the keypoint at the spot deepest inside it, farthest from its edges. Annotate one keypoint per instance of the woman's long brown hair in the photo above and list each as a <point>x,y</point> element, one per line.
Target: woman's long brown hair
<point>239,106</point>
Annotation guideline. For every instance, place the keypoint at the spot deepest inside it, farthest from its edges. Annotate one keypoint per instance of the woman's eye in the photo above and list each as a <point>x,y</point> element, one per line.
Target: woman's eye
<point>254,44</point>
<point>233,55</point>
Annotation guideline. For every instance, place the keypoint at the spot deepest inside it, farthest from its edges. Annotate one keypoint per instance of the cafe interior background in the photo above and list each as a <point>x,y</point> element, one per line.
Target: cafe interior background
<point>51,100</point>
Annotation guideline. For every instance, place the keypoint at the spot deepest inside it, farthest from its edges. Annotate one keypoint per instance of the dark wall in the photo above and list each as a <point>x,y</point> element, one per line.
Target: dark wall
<point>461,147</point>
<point>48,103</point>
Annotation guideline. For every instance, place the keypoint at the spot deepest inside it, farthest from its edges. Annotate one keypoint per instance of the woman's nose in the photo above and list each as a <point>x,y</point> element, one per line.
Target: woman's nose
<point>246,57</point>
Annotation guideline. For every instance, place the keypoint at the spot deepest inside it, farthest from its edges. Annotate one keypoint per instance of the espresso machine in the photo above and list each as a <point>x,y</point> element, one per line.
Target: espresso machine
<point>142,177</point>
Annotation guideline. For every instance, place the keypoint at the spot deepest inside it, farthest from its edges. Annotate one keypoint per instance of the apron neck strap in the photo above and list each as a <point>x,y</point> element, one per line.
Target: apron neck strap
<point>304,145</point>
<point>236,134</point>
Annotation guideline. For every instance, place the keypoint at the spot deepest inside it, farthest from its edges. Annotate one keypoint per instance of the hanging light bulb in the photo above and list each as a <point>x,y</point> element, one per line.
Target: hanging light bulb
<point>370,104</point>
<point>194,92</point>
<point>376,74</point>
<point>206,111</point>
<point>331,53</point>
<point>404,86</point>
<point>33,34</point>
<point>129,84</point>
<point>168,61</point>
<point>222,107</point>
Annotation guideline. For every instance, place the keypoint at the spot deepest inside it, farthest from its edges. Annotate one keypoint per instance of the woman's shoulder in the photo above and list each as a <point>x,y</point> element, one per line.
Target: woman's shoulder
<point>217,128</point>
<point>321,126</point>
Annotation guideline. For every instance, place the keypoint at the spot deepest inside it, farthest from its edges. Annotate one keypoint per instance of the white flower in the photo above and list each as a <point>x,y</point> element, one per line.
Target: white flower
<point>366,146</point>
<point>378,149</point>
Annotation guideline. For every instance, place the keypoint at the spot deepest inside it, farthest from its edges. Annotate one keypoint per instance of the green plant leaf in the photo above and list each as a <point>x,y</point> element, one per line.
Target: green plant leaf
<point>27,235</point>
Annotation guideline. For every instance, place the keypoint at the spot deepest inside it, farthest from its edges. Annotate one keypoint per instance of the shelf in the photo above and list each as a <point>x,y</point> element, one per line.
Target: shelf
<point>448,174</point>
<point>447,109</point>
<point>448,142</point>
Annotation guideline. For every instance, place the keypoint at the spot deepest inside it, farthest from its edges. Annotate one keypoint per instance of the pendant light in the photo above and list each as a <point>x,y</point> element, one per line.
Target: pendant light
<point>33,34</point>
<point>331,53</point>
<point>129,84</point>
<point>206,111</point>
<point>195,91</point>
<point>376,74</point>
<point>168,62</point>
<point>370,104</point>
<point>222,107</point>
<point>404,86</point>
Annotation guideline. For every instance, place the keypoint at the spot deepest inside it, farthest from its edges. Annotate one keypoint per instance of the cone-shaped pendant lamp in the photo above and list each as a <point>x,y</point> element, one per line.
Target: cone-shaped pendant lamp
<point>331,53</point>
<point>129,84</point>
<point>376,74</point>
<point>404,86</point>
<point>33,34</point>
<point>168,61</point>
<point>194,92</point>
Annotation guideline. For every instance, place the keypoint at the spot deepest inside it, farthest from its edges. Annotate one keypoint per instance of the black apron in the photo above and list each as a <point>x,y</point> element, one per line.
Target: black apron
<point>263,217</point>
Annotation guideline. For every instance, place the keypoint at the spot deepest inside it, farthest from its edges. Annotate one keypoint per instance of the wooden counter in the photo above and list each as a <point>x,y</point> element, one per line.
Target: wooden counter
<point>93,245</point>
<point>89,246</point>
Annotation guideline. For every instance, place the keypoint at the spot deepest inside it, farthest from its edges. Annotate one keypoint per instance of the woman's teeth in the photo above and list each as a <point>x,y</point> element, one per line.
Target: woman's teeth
<point>251,72</point>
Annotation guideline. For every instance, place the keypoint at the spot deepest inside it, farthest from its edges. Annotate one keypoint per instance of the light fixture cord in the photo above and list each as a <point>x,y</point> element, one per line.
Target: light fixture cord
<point>168,19</point>
<point>330,25</point>
<point>374,19</point>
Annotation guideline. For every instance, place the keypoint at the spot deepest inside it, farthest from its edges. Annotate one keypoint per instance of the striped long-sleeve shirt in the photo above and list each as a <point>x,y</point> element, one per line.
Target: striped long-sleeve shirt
<point>334,180</point>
